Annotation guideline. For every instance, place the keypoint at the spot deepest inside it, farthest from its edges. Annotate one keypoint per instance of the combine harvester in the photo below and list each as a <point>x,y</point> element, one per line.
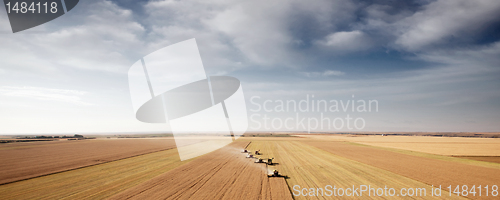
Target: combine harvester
<point>268,161</point>
<point>275,173</point>
<point>249,154</point>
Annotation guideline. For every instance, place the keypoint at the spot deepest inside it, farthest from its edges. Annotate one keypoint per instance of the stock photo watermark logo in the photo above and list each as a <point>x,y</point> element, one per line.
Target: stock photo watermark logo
<point>310,114</point>
<point>26,14</point>
<point>204,112</point>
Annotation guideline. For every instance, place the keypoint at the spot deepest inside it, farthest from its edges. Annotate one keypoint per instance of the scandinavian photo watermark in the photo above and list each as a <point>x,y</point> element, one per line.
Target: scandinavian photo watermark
<point>203,112</point>
<point>372,191</point>
<point>310,114</point>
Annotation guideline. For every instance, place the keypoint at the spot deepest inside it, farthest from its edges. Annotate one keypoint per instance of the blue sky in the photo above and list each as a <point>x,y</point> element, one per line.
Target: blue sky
<point>431,65</point>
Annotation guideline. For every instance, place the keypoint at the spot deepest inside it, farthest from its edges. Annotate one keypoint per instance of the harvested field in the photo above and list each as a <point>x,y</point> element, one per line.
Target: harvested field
<point>310,167</point>
<point>222,174</point>
<point>94,182</point>
<point>226,174</point>
<point>32,159</point>
<point>457,146</point>
<point>492,159</point>
<point>279,188</point>
<point>426,170</point>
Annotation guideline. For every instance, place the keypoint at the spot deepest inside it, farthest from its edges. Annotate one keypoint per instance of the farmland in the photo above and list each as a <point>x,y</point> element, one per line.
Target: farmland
<point>426,170</point>
<point>448,146</point>
<point>310,167</point>
<point>94,182</point>
<point>223,174</point>
<point>31,159</point>
<point>151,168</point>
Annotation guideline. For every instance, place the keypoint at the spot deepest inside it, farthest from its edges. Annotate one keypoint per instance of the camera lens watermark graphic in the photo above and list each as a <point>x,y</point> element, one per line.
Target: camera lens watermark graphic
<point>205,113</point>
<point>26,14</point>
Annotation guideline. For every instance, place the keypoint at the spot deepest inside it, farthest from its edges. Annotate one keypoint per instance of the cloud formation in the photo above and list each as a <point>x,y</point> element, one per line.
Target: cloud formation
<point>425,52</point>
<point>347,42</point>
<point>326,73</point>
<point>46,94</point>
<point>447,22</point>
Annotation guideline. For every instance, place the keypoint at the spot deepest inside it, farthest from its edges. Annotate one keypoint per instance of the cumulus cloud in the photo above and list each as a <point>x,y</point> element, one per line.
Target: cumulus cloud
<point>446,21</point>
<point>258,37</point>
<point>93,46</point>
<point>103,36</point>
<point>347,41</point>
<point>96,38</point>
<point>253,33</point>
<point>169,22</point>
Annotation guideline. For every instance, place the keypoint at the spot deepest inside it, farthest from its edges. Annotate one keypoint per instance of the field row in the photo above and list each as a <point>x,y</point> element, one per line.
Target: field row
<point>27,160</point>
<point>222,174</point>
<point>448,146</point>
<point>427,170</point>
<point>142,169</point>
<point>94,182</point>
<point>310,167</point>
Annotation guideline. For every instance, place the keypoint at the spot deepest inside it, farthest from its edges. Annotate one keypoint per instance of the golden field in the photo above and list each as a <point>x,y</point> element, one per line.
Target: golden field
<point>154,170</point>
<point>310,167</point>
<point>458,146</point>
<point>26,160</point>
<point>94,182</point>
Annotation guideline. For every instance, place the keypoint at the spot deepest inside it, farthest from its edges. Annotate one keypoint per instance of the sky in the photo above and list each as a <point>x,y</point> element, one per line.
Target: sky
<point>430,65</point>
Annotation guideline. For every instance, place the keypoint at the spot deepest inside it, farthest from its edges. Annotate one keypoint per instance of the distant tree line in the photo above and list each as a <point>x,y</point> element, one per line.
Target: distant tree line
<point>77,136</point>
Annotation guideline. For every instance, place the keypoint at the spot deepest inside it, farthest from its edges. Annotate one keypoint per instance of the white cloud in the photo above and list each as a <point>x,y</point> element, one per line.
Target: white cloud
<point>92,47</point>
<point>323,74</point>
<point>250,32</point>
<point>333,73</point>
<point>46,94</point>
<point>265,43</point>
<point>255,33</point>
<point>345,41</point>
<point>262,31</point>
<point>97,37</point>
<point>488,55</point>
<point>169,22</point>
<point>443,20</point>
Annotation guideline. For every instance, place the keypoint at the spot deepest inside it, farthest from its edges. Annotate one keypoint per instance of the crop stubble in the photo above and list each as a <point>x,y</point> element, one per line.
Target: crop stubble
<point>222,174</point>
<point>427,170</point>
<point>27,160</point>
<point>448,146</point>
<point>310,167</point>
<point>94,182</point>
